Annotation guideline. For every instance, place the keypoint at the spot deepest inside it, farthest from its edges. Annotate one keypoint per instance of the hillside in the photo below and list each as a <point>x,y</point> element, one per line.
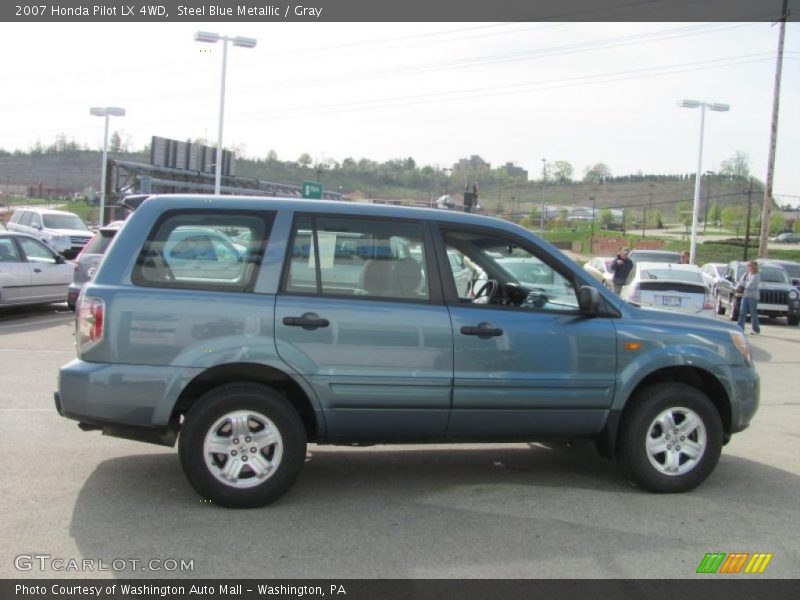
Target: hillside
<point>67,172</point>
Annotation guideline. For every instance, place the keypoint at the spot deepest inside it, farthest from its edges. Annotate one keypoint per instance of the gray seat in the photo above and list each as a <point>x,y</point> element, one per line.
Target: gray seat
<point>377,277</point>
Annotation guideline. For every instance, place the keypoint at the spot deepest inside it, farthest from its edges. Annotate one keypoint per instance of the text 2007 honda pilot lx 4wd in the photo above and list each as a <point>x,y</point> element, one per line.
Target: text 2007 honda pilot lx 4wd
<point>252,326</point>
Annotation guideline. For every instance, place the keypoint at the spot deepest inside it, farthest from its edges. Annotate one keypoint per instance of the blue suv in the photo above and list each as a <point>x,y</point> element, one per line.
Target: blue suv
<point>205,325</point>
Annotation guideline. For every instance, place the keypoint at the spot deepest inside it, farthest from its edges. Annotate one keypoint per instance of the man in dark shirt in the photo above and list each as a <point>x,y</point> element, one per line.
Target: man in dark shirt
<point>621,267</point>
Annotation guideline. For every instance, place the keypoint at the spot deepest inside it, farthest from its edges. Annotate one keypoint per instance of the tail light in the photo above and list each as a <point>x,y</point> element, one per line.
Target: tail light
<point>90,321</point>
<point>708,304</point>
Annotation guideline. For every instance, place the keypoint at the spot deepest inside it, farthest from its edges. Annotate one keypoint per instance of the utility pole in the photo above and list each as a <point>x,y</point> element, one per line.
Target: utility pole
<point>708,197</point>
<point>749,210</point>
<point>544,180</point>
<point>773,141</point>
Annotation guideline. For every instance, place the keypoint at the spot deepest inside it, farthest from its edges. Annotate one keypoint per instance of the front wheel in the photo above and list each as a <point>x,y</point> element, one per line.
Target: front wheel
<point>670,438</point>
<point>242,445</point>
<point>718,306</point>
<point>793,320</point>
<point>735,305</point>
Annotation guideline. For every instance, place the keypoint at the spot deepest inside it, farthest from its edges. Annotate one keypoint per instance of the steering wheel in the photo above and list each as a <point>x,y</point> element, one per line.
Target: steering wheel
<point>487,292</point>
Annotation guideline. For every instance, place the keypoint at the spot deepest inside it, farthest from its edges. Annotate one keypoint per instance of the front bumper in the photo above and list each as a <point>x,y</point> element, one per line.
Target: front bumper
<point>745,390</point>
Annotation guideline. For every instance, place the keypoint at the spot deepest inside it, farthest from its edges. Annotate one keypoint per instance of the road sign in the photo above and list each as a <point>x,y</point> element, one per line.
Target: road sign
<point>312,190</point>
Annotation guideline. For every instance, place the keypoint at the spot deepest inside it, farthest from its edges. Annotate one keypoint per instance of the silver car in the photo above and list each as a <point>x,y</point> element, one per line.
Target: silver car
<point>87,261</point>
<point>30,272</point>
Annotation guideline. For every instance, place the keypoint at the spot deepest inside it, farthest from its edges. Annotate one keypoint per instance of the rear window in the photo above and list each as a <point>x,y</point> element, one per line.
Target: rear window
<point>215,251</point>
<point>99,243</point>
<point>660,257</point>
<point>672,275</point>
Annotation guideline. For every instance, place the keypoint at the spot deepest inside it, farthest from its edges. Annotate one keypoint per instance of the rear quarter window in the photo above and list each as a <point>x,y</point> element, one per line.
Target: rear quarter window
<point>215,251</point>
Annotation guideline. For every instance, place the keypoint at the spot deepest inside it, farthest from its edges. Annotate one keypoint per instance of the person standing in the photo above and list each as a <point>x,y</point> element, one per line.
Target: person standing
<point>749,286</point>
<point>621,268</point>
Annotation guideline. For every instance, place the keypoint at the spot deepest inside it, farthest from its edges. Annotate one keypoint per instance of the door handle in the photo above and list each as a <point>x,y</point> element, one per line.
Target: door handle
<point>307,321</point>
<point>482,330</point>
<point>37,270</point>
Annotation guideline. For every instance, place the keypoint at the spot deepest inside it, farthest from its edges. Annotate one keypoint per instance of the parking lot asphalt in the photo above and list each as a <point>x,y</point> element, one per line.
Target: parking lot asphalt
<point>473,511</point>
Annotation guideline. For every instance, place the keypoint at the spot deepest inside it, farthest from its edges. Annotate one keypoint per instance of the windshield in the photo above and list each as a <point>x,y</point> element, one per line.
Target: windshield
<point>793,269</point>
<point>672,275</point>
<point>63,222</point>
<point>773,275</point>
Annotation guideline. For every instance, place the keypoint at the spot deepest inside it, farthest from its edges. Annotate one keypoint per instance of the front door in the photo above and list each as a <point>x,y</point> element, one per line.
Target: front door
<point>15,274</point>
<point>362,320</point>
<point>49,277</point>
<point>526,360</point>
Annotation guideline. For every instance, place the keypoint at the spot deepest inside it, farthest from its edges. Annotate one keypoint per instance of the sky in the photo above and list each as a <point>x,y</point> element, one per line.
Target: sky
<point>437,92</point>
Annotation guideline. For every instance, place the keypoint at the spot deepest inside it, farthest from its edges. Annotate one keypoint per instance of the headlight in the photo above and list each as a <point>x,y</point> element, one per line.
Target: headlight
<point>743,346</point>
<point>793,294</point>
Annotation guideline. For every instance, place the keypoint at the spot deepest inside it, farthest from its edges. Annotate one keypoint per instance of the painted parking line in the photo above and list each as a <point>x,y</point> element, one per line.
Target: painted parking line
<point>28,323</point>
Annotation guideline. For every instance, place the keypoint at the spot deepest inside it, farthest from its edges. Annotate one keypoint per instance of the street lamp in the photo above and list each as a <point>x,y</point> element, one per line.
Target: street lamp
<point>105,111</point>
<point>242,42</point>
<point>446,172</point>
<point>718,107</point>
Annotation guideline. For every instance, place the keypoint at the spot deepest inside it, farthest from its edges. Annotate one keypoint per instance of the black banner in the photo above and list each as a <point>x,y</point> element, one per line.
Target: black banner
<point>243,11</point>
<point>736,588</point>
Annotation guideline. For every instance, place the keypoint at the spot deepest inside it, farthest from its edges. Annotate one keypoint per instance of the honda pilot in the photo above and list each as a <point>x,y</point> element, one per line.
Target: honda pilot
<point>299,321</point>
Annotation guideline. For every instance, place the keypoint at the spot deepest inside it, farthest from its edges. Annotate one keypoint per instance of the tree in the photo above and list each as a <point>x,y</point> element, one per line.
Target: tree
<point>684,213</point>
<point>655,219</point>
<point>598,173</point>
<point>606,218</point>
<point>776,224</point>
<point>304,160</point>
<point>733,218</point>
<point>714,212</point>
<point>737,165</point>
<point>272,156</point>
<point>561,171</point>
<point>115,142</point>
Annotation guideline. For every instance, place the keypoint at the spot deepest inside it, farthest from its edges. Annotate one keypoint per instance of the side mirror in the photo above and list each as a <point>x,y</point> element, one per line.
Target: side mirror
<point>60,260</point>
<point>36,226</point>
<point>588,300</point>
<point>796,282</point>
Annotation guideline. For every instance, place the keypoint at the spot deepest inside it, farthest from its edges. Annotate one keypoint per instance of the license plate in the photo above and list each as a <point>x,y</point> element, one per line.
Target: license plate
<point>670,301</point>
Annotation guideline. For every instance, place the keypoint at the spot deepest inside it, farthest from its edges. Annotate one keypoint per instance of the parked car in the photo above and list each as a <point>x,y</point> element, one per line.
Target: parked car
<point>600,268</point>
<point>776,295</point>
<point>244,368</point>
<point>87,261</point>
<point>659,256</point>
<point>666,286</point>
<point>30,272</point>
<point>63,231</point>
<point>786,238</point>
<point>792,269</point>
<point>712,273</point>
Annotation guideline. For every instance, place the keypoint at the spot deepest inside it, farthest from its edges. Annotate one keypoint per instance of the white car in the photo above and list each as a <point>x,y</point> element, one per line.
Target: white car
<point>667,286</point>
<point>599,267</point>
<point>63,231</point>
<point>30,272</point>
<point>712,273</point>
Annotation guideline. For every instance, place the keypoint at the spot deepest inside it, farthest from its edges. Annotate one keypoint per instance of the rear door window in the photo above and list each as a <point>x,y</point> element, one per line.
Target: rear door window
<point>218,251</point>
<point>350,256</point>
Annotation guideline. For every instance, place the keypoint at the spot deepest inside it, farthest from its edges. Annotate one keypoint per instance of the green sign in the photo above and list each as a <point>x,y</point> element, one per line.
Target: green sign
<point>312,190</point>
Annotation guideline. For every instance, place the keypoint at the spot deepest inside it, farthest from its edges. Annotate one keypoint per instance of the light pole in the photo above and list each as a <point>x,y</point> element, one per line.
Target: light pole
<point>105,111</point>
<point>242,42</point>
<point>446,172</point>
<point>544,179</point>
<point>718,107</point>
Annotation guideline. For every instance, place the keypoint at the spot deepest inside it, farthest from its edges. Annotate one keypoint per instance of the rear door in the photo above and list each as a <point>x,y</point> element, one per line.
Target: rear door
<point>361,318</point>
<point>525,363</point>
<point>15,273</point>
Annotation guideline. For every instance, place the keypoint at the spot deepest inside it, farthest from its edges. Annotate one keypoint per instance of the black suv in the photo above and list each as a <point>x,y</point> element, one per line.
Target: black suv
<point>776,295</point>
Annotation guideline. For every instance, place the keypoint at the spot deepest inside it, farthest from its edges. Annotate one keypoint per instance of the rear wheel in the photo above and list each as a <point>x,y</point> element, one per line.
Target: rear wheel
<point>670,438</point>
<point>242,445</point>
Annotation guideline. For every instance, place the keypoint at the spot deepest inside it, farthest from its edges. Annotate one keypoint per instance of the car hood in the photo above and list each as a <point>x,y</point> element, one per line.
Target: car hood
<point>661,318</point>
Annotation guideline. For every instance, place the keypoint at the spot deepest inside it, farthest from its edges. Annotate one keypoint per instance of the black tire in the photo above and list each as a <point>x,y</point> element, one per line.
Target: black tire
<point>793,320</point>
<point>718,306</point>
<point>638,423</point>
<point>263,403</point>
